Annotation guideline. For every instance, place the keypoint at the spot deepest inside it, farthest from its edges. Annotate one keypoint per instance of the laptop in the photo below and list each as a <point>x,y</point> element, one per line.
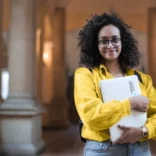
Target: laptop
<point>120,89</point>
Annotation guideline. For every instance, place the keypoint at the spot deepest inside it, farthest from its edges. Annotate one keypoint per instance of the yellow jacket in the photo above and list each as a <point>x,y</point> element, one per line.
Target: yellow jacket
<point>97,116</point>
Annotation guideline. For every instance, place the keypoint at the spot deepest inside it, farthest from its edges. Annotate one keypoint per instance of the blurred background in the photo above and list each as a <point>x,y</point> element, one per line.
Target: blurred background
<point>38,57</point>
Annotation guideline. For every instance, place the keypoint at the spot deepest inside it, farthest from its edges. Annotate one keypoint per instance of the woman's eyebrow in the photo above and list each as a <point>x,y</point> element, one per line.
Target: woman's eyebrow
<point>105,37</point>
<point>109,37</point>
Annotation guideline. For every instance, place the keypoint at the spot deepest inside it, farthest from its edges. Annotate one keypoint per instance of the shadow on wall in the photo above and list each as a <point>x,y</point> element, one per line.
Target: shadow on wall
<point>73,115</point>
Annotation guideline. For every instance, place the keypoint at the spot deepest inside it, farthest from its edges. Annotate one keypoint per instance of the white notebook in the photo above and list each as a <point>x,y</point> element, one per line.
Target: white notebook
<point>120,89</point>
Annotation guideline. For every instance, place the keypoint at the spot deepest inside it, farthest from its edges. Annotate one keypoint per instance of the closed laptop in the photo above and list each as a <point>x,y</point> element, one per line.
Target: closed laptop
<point>120,89</point>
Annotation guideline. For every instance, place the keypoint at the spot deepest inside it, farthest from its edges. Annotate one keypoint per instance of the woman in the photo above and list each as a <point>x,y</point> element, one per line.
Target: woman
<point>108,50</point>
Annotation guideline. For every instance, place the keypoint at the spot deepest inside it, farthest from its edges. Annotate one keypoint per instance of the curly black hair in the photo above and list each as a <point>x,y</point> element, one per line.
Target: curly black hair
<point>87,41</point>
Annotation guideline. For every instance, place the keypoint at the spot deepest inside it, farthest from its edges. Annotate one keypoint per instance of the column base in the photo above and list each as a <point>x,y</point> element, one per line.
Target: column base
<point>28,149</point>
<point>20,129</point>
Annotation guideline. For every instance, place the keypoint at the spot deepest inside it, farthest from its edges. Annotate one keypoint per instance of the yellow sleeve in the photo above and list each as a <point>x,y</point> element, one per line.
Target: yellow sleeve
<point>95,114</point>
<point>151,94</point>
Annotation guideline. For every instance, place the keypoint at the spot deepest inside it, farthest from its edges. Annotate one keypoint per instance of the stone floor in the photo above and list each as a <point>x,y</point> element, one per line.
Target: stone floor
<point>67,142</point>
<point>63,142</point>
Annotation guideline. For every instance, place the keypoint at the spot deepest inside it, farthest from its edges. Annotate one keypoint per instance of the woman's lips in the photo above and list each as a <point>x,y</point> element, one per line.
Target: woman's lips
<point>110,51</point>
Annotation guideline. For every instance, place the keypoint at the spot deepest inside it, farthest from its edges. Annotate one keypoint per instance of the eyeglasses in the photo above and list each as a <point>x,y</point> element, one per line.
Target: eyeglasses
<point>104,43</point>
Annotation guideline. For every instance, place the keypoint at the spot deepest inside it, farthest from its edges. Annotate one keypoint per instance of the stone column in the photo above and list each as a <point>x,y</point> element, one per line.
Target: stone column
<point>40,26</point>
<point>58,107</point>
<point>1,42</point>
<point>152,44</point>
<point>47,70</point>
<point>20,115</point>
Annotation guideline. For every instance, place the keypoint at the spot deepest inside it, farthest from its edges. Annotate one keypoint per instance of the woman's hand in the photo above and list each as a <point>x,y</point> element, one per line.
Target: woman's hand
<point>130,135</point>
<point>139,103</point>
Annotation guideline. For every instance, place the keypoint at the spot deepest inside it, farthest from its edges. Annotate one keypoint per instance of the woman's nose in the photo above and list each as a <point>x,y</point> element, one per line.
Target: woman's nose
<point>110,45</point>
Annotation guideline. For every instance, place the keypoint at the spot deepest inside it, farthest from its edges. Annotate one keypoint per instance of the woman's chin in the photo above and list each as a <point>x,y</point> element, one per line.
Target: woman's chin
<point>110,58</point>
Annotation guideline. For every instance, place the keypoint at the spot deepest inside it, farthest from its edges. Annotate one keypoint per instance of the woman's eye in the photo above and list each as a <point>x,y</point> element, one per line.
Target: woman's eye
<point>104,41</point>
<point>115,40</point>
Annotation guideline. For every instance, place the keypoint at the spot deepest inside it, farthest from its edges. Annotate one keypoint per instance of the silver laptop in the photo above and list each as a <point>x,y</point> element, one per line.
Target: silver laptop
<point>120,89</point>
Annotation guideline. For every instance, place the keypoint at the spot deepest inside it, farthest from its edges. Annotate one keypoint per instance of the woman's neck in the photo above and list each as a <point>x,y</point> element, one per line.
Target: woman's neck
<point>114,68</point>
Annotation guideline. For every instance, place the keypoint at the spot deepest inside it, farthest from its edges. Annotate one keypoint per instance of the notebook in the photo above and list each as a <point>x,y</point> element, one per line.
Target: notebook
<point>120,89</point>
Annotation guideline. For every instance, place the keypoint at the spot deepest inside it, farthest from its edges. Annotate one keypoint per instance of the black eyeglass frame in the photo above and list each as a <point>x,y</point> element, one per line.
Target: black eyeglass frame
<point>108,41</point>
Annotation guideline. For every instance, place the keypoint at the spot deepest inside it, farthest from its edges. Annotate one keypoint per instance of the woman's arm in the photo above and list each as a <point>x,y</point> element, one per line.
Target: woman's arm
<point>95,114</point>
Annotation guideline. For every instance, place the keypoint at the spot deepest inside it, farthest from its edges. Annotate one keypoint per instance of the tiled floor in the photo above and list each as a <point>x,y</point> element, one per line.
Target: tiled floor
<point>67,142</point>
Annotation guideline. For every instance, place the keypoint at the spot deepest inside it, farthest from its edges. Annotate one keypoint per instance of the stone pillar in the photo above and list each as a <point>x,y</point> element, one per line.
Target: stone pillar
<point>20,114</point>
<point>47,70</point>
<point>40,27</point>
<point>152,44</point>
<point>152,53</point>
<point>1,43</point>
<point>58,106</point>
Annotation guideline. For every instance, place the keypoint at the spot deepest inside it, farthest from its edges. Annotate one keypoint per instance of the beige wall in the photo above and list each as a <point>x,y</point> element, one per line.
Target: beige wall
<point>134,12</point>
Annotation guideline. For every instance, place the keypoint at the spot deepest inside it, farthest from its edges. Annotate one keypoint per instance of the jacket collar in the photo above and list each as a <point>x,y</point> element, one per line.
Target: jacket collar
<point>103,70</point>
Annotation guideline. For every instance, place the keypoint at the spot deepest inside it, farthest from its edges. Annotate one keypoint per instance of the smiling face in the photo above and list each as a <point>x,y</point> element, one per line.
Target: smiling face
<point>109,42</point>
